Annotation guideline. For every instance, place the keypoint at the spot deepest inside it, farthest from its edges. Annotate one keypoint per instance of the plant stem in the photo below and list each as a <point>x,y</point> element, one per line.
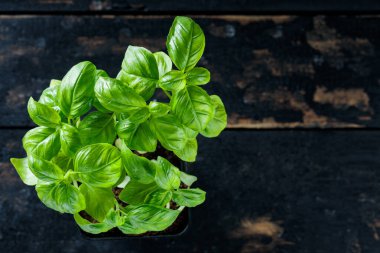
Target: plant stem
<point>168,205</point>
<point>167,94</point>
<point>75,183</point>
<point>181,208</point>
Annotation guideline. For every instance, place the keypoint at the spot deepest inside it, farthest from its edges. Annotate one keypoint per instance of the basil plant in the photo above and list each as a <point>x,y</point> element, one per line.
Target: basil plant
<point>94,133</point>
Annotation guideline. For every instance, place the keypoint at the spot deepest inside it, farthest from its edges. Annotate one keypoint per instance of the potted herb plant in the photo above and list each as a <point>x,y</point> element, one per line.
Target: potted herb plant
<point>108,153</point>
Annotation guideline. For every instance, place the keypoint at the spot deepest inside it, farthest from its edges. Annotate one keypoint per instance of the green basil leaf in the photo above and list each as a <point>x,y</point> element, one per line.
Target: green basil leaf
<point>158,197</point>
<point>198,76</point>
<point>96,103</point>
<point>62,197</point>
<point>138,168</point>
<point>151,218</point>
<point>158,109</point>
<point>63,161</point>
<point>185,43</point>
<point>169,132</point>
<point>219,120</point>
<point>49,97</point>
<point>137,136</point>
<point>117,97</point>
<point>98,201</point>
<point>164,63</point>
<point>139,70</point>
<point>97,127</point>
<point>173,80</point>
<point>76,91</point>
<point>70,139</point>
<point>193,107</point>
<point>23,170</point>
<point>45,170</point>
<point>43,115</point>
<point>167,175</point>
<point>189,197</point>
<point>135,193</point>
<point>92,228</point>
<point>189,152</point>
<point>111,220</point>
<point>187,179</point>
<point>42,141</point>
<point>54,82</point>
<point>98,165</point>
<point>129,229</point>
<point>137,116</point>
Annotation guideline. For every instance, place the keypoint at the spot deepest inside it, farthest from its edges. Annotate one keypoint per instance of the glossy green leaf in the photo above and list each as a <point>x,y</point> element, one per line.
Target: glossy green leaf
<point>164,63</point>
<point>129,229</point>
<point>117,97</point>
<point>23,170</point>
<point>189,152</point>
<point>97,127</point>
<point>137,116</point>
<point>54,82</point>
<point>169,132</point>
<point>159,197</point>
<point>45,170</point>
<point>42,141</point>
<point>173,80</point>
<point>218,121</point>
<point>76,91</point>
<point>158,109</point>
<point>189,197</point>
<point>151,218</point>
<point>98,165</point>
<point>96,103</point>
<point>62,197</point>
<point>198,76</point>
<point>63,161</point>
<point>98,201</point>
<point>135,193</point>
<point>139,168</point>
<point>49,97</point>
<point>167,175</point>
<point>70,140</point>
<point>112,219</point>
<point>187,179</point>
<point>140,71</point>
<point>193,107</point>
<point>42,114</point>
<point>185,43</point>
<point>137,136</point>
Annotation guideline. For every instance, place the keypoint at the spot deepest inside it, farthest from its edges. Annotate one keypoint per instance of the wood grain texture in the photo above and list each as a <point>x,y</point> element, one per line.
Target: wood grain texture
<point>271,71</point>
<point>183,5</point>
<point>290,192</point>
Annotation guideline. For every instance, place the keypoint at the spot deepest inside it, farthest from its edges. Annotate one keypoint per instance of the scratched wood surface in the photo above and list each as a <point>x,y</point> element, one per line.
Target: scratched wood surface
<point>271,71</point>
<point>214,6</point>
<point>291,192</point>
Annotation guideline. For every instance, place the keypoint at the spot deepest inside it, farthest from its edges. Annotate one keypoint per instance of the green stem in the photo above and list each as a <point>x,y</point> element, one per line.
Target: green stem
<point>167,94</point>
<point>181,208</point>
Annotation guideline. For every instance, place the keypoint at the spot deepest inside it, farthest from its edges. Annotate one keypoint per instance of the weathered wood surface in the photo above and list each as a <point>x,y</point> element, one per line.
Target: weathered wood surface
<point>306,191</point>
<point>214,6</point>
<point>271,71</point>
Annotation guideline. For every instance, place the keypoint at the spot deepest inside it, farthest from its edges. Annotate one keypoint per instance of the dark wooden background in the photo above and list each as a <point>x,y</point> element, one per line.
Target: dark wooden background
<point>298,168</point>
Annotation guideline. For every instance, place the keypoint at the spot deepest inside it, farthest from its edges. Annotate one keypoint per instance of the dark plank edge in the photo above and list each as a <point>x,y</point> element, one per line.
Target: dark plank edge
<point>183,6</point>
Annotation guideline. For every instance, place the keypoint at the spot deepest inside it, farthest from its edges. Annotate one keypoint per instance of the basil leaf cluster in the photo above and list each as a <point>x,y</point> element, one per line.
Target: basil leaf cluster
<point>92,129</point>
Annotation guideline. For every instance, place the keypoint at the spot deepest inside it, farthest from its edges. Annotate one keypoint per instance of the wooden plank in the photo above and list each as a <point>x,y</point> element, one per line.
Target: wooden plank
<point>142,6</point>
<point>306,191</point>
<point>271,71</point>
